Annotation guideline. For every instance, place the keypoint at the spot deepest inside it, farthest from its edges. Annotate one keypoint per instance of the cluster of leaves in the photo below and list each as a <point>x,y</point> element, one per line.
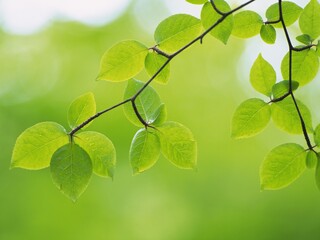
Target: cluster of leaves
<point>73,156</point>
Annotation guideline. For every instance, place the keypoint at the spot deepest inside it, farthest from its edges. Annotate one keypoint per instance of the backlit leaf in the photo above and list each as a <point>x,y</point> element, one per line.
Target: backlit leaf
<point>282,88</point>
<point>153,63</point>
<point>311,159</point>
<point>304,38</point>
<point>309,20</point>
<point>268,34</point>
<point>197,1</point>
<point>316,135</point>
<point>247,24</point>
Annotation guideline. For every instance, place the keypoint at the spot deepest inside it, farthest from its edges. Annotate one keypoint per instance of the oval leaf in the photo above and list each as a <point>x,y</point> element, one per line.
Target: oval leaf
<point>282,88</point>
<point>160,115</point>
<point>100,150</point>
<point>282,166</point>
<point>71,170</point>
<point>262,76</point>
<point>250,118</point>
<point>316,135</point>
<point>285,116</point>
<point>312,159</point>
<point>304,38</point>
<point>309,20</point>
<point>144,150</point>
<point>123,61</point>
<point>81,109</point>
<point>268,34</point>
<point>209,17</point>
<point>34,147</point>
<point>305,66</point>
<point>178,145</point>
<point>176,31</point>
<point>247,24</point>
<point>153,63</point>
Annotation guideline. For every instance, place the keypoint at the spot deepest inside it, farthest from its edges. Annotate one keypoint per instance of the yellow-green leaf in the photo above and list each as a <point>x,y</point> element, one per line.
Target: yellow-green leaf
<point>247,24</point>
<point>153,63</point>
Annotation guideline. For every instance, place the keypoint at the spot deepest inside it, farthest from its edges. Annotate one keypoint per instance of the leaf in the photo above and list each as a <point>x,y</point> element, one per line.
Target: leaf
<point>309,20</point>
<point>282,88</point>
<point>262,76</point>
<point>250,118</point>
<point>123,61</point>
<point>35,146</point>
<point>71,170</point>
<point>144,150</point>
<point>178,145</point>
<point>197,1</point>
<point>268,34</point>
<point>282,166</point>
<point>176,31</point>
<point>147,103</point>
<point>209,17</point>
<point>285,116</point>
<point>311,159</point>
<point>305,65</point>
<point>100,150</point>
<point>153,63</point>
<point>160,115</point>
<point>316,135</point>
<point>290,13</point>
<point>81,109</point>
<point>247,24</point>
<point>304,38</point>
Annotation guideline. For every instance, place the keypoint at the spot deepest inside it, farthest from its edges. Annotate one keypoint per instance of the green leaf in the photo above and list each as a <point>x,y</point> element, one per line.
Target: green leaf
<point>250,118</point>
<point>290,12</point>
<point>316,135</point>
<point>262,76</point>
<point>123,61</point>
<point>282,166</point>
<point>304,38</point>
<point>147,103</point>
<point>309,20</point>
<point>71,170</point>
<point>197,1</point>
<point>311,159</point>
<point>268,34</point>
<point>247,24</point>
<point>100,150</point>
<point>81,109</point>
<point>160,115</point>
<point>153,63</point>
<point>209,17</point>
<point>305,65</point>
<point>176,31</point>
<point>35,146</point>
<point>285,116</point>
<point>144,150</point>
<point>282,88</point>
<point>178,145</point>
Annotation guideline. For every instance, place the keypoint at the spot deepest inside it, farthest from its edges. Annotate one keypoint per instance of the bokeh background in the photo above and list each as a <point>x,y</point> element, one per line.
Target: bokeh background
<point>45,66</point>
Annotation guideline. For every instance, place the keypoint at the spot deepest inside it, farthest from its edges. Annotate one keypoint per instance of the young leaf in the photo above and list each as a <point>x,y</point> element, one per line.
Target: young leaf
<point>304,38</point>
<point>282,88</point>
<point>178,145</point>
<point>290,13</point>
<point>147,103</point>
<point>268,34</point>
<point>309,20</point>
<point>282,166</point>
<point>71,170</point>
<point>262,76</point>
<point>100,150</point>
<point>176,31</point>
<point>316,135</point>
<point>35,146</point>
<point>305,65</point>
<point>285,116</point>
<point>123,61</point>
<point>311,159</point>
<point>247,24</point>
<point>81,109</point>
<point>250,118</point>
<point>144,150</point>
<point>160,115</point>
<point>209,17</point>
<point>197,1</point>
<point>153,63</point>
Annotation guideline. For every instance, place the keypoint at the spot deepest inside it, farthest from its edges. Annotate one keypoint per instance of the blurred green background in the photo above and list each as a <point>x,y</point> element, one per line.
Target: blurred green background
<point>41,74</point>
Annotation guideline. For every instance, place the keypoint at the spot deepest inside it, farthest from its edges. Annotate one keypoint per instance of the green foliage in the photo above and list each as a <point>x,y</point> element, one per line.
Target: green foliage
<point>71,170</point>
<point>247,24</point>
<point>304,38</point>
<point>250,118</point>
<point>209,17</point>
<point>35,146</point>
<point>282,166</point>
<point>309,21</point>
<point>144,150</point>
<point>316,135</point>
<point>197,1</point>
<point>81,109</point>
<point>268,34</point>
<point>262,76</point>
<point>311,159</point>
<point>176,31</point>
<point>153,63</point>
<point>282,88</point>
<point>123,61</point>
